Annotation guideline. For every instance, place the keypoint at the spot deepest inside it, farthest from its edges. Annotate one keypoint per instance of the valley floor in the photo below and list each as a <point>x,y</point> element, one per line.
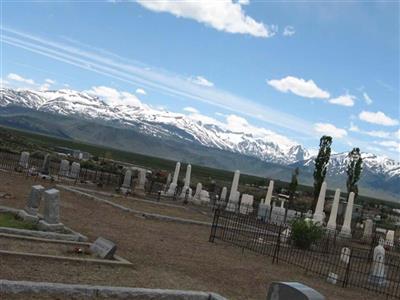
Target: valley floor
<point>164,254</point>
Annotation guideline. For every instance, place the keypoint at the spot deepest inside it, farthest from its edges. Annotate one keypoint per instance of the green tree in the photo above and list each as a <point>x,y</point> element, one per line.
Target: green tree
<point>321,163</point>
<point>354,168</point>
<point>293,186</point>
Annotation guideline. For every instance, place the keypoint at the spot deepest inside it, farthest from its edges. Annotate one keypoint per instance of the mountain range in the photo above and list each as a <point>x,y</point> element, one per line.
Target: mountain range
<point>187,137</point>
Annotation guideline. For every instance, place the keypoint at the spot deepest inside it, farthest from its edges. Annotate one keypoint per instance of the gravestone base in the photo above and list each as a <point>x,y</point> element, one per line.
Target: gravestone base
<point>140,191</point>
<point>125,191</point>
<point>231,206</point>
<point>28,217</point>
<point>377,280</point>
<point>43,225</point>
<point>345,233</point>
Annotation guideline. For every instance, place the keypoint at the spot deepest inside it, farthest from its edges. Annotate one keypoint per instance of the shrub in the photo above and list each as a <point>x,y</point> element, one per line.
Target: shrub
<point>305,233</point>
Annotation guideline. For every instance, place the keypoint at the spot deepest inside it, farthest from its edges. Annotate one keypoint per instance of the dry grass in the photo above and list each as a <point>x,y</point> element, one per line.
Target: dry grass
<point>164,254</point>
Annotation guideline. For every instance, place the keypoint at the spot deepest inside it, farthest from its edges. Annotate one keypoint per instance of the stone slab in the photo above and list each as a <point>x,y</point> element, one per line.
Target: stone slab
<point>103,248</point>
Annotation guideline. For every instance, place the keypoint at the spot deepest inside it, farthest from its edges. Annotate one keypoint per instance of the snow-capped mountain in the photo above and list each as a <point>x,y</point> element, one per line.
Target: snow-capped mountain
<point>263,144</point>
<point>371,162</point>
<point>193,128</point>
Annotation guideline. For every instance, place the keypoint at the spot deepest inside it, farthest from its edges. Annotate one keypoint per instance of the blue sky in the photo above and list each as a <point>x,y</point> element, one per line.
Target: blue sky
<point>301,69</point>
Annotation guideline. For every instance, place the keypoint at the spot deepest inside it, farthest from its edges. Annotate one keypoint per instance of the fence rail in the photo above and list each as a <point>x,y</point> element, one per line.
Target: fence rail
<point>326,258</point>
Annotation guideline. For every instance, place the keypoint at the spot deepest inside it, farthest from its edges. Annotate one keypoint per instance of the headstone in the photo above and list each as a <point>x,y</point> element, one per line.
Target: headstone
<point>75,170</point>
<point>32,205</point>
<point>139,189</point>
<point>64,168</point>
<point>24,160</point>
<point>168,181</point>
<point>103,248</point>
<point>368,225</point>
<point>186,187</point>
<point>291,215</point>
<point>332,278</point>
<point>196,197</point>
<point>335,205</point>
<point>51,220</point>
<point>246,205</point>
<point>390,238</point>
<point>172,187</point>
<point>378,269</point>
<point>204,197</point>
<point>45,170</point>
<point>285,234</point>
<point>127,179</point>
<point>318,214</point>
<point>278,215</point>
<point>292,291</point>
<point>345,255</point>
<point>223,194</point>
<point>263,212</point>
<point>346,228</point>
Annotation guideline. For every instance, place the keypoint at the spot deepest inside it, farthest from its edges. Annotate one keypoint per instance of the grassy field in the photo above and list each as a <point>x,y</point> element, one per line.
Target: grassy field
<point>17,141</point>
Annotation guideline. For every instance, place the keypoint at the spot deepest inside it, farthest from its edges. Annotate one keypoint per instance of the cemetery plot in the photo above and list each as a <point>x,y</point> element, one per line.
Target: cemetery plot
<point>9,220</point>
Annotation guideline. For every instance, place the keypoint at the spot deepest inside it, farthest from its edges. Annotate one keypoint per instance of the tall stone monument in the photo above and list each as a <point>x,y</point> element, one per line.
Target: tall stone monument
<point>51,220</point>
<point>186,187</point>
<point>319,215</point>
<point>346,228</point>
<point>233,203</point>
<point>264,207</point>
<point>140,187</point>
<point>335,205</point>
<point>174,183</point>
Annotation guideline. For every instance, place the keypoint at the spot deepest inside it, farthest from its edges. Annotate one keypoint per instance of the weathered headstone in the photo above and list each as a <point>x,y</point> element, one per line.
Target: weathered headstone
<point>223,194</point>
<point>378,269</point>
<point>345,255</point>
<point>75,170</point>
<point>234,196</point>
<point>196,197</point>
<point>368,226</point>
<point>332,278</point>
<point>204,197</point>
<point>389,238</point>
<point>24,160</point>
<point>103,248</point>
<point>318,214</point>
<point>126,185</point>
<point>246,204</point>
<point>172,187</point>
<point>51,220</point>
<point>346,228</point>
<point>335,205</point>
<point>186,187</point>
<point>278,215</point>
<point>64,168</point>
<point>292,291</point>
<point>139,189</point>
<point>268,198</point>
<point>32,205</point>
<point>263,212</point>
<point>291,215</point>
<point>45,170</point>
<point>285,234</point>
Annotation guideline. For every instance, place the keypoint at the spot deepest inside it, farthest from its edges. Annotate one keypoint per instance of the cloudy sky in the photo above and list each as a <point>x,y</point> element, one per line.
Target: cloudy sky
<point>301,69</point>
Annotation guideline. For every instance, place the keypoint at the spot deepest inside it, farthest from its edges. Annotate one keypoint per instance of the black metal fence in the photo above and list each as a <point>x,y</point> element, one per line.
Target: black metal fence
<point>10,161</point>
<point>344,262</point>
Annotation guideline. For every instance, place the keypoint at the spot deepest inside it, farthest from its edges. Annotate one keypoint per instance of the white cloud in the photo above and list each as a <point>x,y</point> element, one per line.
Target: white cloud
<point>379,134</point>
<point>244,2</point>
<point>141,91</point>
<point>330,129</point>
<point>49,81</point>
<point>298,86</point>
<point>289,31</point>
<point>18,78</point>
<point>3,83</point>
<point>345,100</point>
<point>392,145</point>
<point>377,118</point>
<point>200,80</point>
<point>114,97</point>
<point>367,98</point>
<point>223,15</point>
<point>191,110</point>
<point>397,134</point>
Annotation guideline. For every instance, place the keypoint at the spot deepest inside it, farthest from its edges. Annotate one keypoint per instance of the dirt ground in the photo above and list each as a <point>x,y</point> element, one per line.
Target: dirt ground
<point>164,254</point>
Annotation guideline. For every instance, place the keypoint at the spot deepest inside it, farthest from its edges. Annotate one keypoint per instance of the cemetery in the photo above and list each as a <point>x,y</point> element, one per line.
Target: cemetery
<point>89,231</point>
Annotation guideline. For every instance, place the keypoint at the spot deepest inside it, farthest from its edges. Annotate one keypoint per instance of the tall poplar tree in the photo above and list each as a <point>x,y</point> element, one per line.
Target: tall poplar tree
<point>354,168</point>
